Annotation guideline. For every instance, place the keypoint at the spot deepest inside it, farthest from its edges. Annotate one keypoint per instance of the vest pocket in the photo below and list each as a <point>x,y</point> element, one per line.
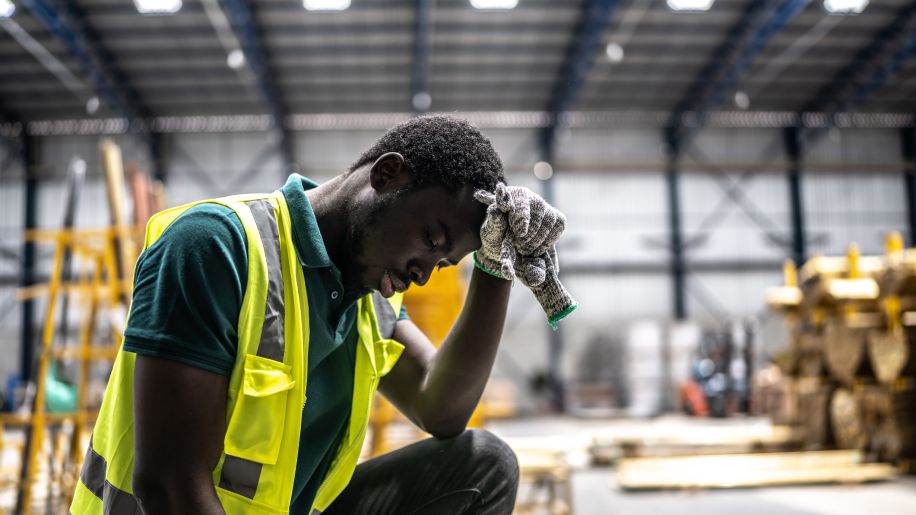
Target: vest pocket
<point>387,353</point>
<point>255,429</point>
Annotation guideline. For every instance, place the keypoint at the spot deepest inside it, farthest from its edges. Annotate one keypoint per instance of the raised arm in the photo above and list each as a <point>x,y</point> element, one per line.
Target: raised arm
<point>438,391</point>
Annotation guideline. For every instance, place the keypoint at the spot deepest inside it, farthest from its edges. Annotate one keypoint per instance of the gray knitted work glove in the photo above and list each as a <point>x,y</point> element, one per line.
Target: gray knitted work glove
<point>518,237</point>
<point>496,255</point>
<point>535,225</point>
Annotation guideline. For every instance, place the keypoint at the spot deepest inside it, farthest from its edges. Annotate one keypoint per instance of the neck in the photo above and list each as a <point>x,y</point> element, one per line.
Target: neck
<point>331,205</point>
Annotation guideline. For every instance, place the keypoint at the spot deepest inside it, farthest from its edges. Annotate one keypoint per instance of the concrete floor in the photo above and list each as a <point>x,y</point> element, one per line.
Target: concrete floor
<point>594,490</point>
<point>595,494</point>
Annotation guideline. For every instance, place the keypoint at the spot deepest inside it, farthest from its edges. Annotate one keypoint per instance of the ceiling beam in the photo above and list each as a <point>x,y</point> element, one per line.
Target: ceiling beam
<point>731,60</point>
<point>241,17</point>
<point>228,41</point>
<point>420,98</point>
<point>870,69</point>
<point>596,14</point>
<point>65,20</point>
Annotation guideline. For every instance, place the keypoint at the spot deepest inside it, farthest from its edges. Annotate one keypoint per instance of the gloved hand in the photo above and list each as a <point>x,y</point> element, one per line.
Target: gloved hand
<point>518,237</point>
<point>535,225</point>
<point>496,255</point>
<point>540,274</point>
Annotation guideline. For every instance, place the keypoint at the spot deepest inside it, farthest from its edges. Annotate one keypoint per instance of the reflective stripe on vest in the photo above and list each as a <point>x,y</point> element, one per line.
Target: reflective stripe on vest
<point>114,501</point>
<point>384,315</point>
<point>239,475</point>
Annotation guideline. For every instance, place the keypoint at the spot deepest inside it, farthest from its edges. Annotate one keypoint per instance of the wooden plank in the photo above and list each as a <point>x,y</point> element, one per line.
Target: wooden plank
<point>743,471</point>
<point>846,420</point>
<point>889,353</point>
<point>709,440</point>
<point>852,289</point>
<point>141,192</point>
<point>114,183</point>
<point>844,350</point>
<point>783,297</point>
<point>703,435</point>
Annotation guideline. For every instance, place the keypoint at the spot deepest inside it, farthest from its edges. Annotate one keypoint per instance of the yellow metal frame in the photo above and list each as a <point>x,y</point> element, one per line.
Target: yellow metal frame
<point>98,285</point>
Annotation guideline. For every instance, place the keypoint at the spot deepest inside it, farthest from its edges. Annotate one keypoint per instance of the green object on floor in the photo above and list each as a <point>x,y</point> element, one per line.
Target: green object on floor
<point>59,396</point>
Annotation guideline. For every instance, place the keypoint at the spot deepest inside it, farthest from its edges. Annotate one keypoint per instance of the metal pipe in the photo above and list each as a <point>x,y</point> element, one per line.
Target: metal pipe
<point>908,146</point>
<point>27,275</point>
<point>793,143</point>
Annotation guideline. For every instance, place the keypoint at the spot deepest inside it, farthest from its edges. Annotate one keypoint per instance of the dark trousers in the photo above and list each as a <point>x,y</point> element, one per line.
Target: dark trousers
<point>474,473</point>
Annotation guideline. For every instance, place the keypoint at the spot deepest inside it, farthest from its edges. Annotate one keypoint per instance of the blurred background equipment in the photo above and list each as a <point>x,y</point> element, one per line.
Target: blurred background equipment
<point>702,150</point>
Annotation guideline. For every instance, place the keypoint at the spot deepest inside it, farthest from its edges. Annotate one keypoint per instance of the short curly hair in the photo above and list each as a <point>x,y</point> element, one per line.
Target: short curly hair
<point>440,151</point>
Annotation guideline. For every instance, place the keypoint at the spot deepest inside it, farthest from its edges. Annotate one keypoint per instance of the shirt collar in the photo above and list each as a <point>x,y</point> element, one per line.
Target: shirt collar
<point>306,234</point>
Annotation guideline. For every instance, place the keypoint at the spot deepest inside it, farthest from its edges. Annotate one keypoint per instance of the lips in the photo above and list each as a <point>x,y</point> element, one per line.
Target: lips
<point>391,283</point>
<point>386,287</point>
<point>399,284</point>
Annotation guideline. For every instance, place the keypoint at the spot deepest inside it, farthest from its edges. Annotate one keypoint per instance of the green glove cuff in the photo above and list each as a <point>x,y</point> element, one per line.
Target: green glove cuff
<point>555,299</point>
<point>483,268</point>
<point>561,315</point>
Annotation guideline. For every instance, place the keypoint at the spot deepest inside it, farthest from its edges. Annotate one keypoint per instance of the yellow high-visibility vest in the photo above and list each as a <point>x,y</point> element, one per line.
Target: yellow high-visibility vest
<point>266,389</point>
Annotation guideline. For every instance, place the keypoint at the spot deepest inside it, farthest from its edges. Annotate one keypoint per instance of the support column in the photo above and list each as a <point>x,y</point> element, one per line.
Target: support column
<point>794,151</point>
<point>28,152</point>
<point>908,146</point>
<point>157,156</point>
<point>676,234</point>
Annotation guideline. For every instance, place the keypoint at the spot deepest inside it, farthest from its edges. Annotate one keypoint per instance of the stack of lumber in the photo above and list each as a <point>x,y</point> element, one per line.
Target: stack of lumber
<point>848,373</point>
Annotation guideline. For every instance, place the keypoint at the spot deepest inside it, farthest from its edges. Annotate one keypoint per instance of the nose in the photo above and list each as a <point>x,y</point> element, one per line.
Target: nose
<point>419,273</point>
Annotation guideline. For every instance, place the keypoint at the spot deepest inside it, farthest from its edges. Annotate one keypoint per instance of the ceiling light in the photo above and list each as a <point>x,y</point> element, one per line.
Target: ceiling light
<point>543,170</point>
<point>6,8</point>
<point>157,6</point>
<point>421,101</point>
<point>690,5</point>
<point>92,105</point>
<point>326,5</point>
<point>614,52</point>
<point>845,6</point>
<point>742,101</point>
<point>235,59</point>
<point>494,4</point>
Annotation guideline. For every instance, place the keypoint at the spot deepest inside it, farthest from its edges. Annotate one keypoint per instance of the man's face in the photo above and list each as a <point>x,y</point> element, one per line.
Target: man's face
<point>401,238</point>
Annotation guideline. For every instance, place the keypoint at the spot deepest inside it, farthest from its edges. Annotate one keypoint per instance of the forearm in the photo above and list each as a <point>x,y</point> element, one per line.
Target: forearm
<point>179,414</point>
<point>459,372</point>
<point>177,496</point>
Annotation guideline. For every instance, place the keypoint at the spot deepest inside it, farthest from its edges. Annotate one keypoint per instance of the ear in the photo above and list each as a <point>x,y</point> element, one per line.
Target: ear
<point>389,173</point>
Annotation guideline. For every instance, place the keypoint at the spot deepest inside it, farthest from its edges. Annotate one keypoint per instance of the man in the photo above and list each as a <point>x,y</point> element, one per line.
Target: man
<point>255,342</point>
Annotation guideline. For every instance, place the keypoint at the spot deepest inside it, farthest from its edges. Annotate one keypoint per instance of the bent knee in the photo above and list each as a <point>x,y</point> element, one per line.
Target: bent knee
<point>489,451</point>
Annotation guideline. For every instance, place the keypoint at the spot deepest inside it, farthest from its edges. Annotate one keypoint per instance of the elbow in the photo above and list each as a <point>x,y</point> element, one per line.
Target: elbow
<point>444,429</point>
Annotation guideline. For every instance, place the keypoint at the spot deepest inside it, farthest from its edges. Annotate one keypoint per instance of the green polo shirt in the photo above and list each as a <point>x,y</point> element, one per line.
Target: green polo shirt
<point>188,293</point>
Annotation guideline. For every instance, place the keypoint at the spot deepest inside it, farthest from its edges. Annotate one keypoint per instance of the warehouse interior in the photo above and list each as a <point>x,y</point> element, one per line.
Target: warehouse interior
<point>738,177</point>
